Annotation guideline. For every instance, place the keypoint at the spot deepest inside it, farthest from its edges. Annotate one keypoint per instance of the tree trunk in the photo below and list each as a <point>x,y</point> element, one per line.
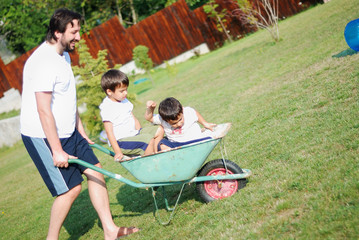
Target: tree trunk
<point>119,14</point>
<point>134,16</point>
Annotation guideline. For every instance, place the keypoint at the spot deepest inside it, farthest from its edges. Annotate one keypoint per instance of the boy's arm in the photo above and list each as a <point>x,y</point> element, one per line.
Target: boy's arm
<point>113,141</point>
<point>151,105</point>
<point>158,137</point>
<point>205,124</point>
<point>137,123</point>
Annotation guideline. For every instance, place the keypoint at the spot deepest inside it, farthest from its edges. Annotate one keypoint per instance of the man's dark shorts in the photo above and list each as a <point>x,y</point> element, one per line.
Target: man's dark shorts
<point>60,180</point>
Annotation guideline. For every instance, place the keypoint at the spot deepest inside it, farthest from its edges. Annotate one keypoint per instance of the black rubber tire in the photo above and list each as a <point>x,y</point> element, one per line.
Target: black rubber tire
<point>217,164</point>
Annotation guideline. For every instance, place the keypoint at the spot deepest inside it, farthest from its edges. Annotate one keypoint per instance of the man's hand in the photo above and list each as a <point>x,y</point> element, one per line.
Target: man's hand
<point>89,141</point>
<point>61,159</point>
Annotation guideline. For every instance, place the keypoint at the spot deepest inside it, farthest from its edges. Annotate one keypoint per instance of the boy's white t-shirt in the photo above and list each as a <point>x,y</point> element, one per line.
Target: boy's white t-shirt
<point>190,130</point>
<point>120,115</point>
<point>47,71</point>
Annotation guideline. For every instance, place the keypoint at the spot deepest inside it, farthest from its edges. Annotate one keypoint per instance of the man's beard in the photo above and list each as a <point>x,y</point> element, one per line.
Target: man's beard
<point>68,47</point>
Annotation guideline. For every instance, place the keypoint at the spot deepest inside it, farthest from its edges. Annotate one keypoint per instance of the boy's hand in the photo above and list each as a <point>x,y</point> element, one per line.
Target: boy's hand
<point>151,104</point>
<point>209,126</point>
<point>118,157</point>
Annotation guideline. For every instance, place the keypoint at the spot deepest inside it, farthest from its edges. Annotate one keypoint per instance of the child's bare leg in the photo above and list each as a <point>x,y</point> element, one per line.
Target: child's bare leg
<point>164,147</point>
<point>151,147</point>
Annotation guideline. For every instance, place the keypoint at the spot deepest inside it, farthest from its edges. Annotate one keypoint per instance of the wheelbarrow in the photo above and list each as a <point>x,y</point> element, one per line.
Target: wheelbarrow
<point>217,179</point>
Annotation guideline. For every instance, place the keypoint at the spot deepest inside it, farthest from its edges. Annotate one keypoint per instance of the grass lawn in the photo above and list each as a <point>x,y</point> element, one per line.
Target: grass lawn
<point>294,109</point>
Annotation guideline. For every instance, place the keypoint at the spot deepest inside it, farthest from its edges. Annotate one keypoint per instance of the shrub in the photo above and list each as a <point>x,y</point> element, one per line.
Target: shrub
<point>142,60</point>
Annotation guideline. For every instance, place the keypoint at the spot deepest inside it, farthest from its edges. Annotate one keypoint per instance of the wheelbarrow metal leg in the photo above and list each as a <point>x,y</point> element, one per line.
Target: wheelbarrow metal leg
<point>172,210</point>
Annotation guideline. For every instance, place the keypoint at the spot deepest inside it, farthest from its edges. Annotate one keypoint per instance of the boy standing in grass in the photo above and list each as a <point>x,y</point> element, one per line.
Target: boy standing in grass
<point>179,124</point>
<point>122,128</point>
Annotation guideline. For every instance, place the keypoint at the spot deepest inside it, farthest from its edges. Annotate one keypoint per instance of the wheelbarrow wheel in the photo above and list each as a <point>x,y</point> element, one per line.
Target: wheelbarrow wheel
<point>213,190</point>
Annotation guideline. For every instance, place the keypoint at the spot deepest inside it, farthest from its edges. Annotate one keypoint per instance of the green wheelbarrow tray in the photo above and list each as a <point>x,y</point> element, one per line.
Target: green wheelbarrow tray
<point>176,166</point>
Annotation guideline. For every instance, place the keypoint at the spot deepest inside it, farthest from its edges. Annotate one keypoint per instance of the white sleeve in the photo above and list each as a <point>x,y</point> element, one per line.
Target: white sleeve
<point>156,120</point>
<point>190,114</point>
<point>43,77</point>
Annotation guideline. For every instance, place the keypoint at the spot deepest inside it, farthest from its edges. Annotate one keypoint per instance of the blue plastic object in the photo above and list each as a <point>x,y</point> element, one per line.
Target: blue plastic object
<point>351,34</point>
<point>140,80</point>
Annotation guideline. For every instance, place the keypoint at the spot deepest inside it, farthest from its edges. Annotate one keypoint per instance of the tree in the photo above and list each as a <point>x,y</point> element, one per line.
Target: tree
<point>142,60</point>
<point>192,3</point>
<point>133,12</point>
<point>118,8</point>
<point>211,9</point>
<point>264,15</point>
<point>23,25</point>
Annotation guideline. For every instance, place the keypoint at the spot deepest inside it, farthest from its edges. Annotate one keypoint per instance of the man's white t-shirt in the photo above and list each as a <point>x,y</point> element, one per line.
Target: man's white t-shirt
<point>47,71</point>
<point>120,115</point>
<point>188,132</point>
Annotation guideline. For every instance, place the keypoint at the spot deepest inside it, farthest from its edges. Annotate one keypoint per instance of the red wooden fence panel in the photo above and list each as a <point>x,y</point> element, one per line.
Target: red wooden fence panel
<point>168,33</point>
<point>4,85</point>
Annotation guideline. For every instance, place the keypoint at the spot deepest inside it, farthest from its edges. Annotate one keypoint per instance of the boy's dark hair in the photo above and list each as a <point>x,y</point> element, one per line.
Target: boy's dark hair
<point>59,21</point>
<point>113,78</point>
<point>169,109</point>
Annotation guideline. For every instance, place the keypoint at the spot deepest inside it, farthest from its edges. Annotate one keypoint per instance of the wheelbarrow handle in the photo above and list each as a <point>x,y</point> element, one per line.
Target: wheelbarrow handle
<point>109,174</point>
<point>103,149</point>
<point>118,177</point>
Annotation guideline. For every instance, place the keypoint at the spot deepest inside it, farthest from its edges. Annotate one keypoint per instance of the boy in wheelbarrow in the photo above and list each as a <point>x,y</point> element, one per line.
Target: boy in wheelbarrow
<point>179,124</point>
<point>123,130</point>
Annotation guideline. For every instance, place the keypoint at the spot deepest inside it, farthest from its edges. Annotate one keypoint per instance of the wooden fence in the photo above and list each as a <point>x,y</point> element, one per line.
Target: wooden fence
<point>167,34</point>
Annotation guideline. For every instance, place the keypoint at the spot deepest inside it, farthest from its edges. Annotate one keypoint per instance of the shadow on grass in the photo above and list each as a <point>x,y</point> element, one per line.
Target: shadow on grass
<point>142,91</point>
<point>345,53</point>
<point>135,201</point>
<point>82,216</point>
<point>141,200</point>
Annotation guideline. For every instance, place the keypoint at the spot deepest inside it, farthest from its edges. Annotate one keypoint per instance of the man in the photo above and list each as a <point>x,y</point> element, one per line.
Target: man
<point>52,131</point>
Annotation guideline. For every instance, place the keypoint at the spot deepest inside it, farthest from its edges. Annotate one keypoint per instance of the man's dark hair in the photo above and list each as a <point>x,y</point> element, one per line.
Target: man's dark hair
<point>59,21</point>
<point>169,109</point>
<point>113,78</point>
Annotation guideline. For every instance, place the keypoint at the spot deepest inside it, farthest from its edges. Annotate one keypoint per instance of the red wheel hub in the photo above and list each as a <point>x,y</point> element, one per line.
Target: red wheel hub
<point>219,189</point>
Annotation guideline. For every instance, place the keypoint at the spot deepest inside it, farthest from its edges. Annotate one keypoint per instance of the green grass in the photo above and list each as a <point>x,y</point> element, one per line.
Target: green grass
<point>9,114</point>
<point>294,110</point>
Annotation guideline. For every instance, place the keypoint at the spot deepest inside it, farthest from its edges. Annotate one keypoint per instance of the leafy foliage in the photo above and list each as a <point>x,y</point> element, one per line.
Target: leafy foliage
<point>24,26</point>
<point>142,60</point>
<point>24,22</point>
<point>211,9</point>
<point>193,4</point>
